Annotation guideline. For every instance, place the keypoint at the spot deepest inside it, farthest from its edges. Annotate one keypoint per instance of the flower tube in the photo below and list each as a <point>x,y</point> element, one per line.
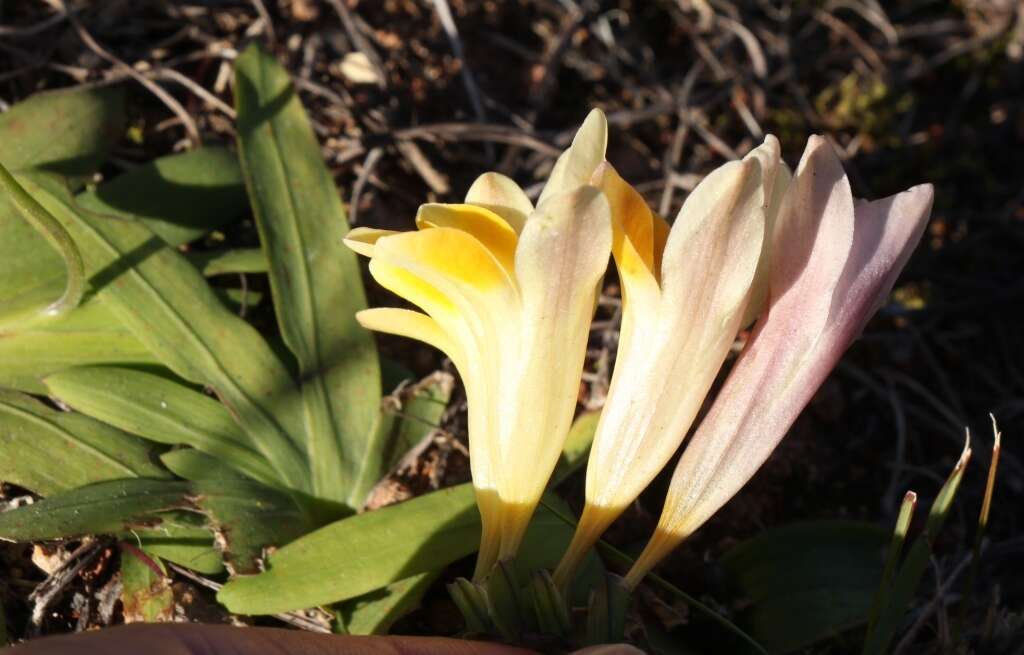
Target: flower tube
<point>835,260</point>
<point>507,292</point>
<point>685,296</point>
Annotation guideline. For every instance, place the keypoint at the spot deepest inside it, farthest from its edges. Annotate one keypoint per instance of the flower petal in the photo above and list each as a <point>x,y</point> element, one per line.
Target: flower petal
<point>489,228</point>
<point>562,255</point>
<point>502,196</point>
<point>411,324</point>
<point>362,239</point>
<point>812,237</point>
<point>708,265</point>
<point>577,164</point>
<point>884,236</point>
<point>789,356</point>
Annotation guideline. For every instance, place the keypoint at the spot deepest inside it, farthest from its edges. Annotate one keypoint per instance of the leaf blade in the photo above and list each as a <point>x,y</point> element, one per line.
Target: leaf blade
<point>315,281</point>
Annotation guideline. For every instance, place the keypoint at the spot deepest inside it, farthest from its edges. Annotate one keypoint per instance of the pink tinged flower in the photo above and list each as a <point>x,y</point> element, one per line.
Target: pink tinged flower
<point>685,295</point>
<point>834,261</point>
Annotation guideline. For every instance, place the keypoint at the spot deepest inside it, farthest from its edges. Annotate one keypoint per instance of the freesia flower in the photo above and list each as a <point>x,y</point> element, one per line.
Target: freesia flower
<point>686,293</point>
<point>835,260</point>
<point>507,292</point>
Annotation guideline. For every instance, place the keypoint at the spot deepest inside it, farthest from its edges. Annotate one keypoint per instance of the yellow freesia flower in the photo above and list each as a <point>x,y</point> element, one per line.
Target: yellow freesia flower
<point>507,292</point>
<point>686,293</point>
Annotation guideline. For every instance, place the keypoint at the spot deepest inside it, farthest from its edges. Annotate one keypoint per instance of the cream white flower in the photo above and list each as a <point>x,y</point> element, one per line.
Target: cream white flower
<point>686,293</point>
<point>834,261</point>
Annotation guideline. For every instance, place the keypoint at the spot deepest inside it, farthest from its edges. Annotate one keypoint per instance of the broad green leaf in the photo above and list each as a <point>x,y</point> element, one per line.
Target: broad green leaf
<point>161,410</point>
<point>315,280</point>
<point>168,306</point>
<point>223,262</point>
<point>373,613</point>
<point>406,418</point>
<point>111,507</point>
<point>805,582</point>
<point>178,197</point>
<point>49,452</point>
<point>183,538</point>
<point>69,132</point>
<point>146,595</point>
<point>245,515</point>
<point>30,211</point>
<point>193,464</point>
<point>88,335</point>
<point>362,553</point>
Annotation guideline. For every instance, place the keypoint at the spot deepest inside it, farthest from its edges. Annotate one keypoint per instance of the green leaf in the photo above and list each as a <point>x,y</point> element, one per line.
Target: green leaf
<point>315,280</point>
<point>146,595</point>
<point>50,228</point>
<point>406,418</point>
<point>193,464</point>
<point>110,507</point>
<point>88,335</point>
<point>805,582</point>
<point>248,517</point>
<point>223,262</point>
<point>362,553</point>
<point>178,197</point>
<point>169,307</point>
<point>183,538</point>
<point>375,612</point>
<point>245,515</point>
<point>48,452</point>
<point>69,132</point>
<point>161,410</point>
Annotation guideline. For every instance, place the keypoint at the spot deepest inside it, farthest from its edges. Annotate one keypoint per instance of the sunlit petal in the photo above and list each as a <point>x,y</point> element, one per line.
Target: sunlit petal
<point>502,196</point>
<point>851,256</point>
<point>576,165</point>
<point>489,228</point>
<point>362,239</point>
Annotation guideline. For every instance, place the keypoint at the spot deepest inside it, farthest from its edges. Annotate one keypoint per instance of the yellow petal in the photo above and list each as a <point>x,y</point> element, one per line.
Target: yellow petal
<point>489,228</point>
<point>667,370</point>
<point>576,165</point>
<point>632,223</point>
<point>362,239</point>
<point>502,196</point>
<point>447,272</point>
<point>562,255</point>
<point>414,325</point>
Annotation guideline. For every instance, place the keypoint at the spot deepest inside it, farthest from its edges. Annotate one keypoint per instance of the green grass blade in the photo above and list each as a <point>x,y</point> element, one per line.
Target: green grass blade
<point>315,281</point>
<point>892,558</point>
<point>904,586</point>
